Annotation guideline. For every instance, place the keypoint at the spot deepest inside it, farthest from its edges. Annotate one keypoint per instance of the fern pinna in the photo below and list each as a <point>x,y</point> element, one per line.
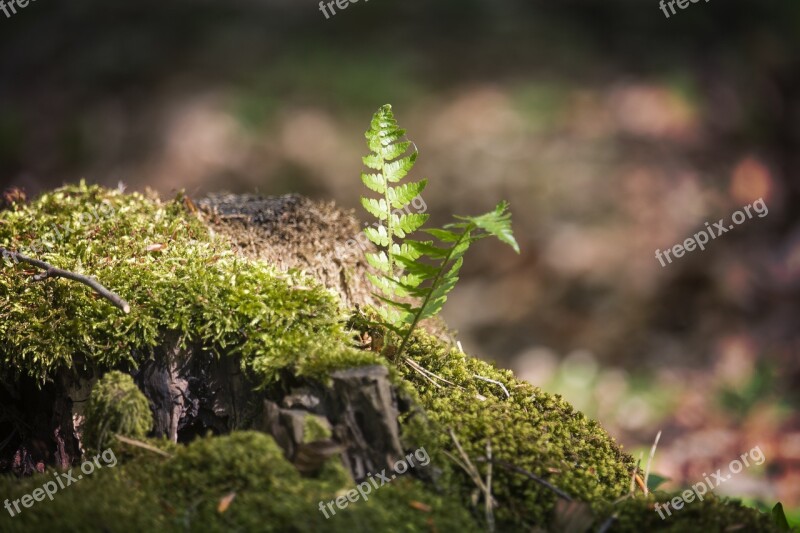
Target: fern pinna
<point>415,276</point>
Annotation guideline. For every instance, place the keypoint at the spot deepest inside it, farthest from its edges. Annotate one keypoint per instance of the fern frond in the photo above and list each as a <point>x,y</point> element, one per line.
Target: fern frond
<point>420,273</point>
<point>496,223</point>
<point>384,141</point>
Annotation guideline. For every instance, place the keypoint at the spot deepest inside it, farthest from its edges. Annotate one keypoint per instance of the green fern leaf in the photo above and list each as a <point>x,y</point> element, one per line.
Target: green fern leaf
<point>378,261</point>
<point>402,195</point>
<point>377,208</point>
<point>443,235</point>
<point>397,170</point>
<point>496,223</point>
<point>374,182</point>
<point>378,235</point>
<point>415,277</point>
<point>408,223</point>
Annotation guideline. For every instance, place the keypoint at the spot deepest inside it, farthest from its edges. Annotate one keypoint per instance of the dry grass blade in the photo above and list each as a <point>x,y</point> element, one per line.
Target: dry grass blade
<point>427,373</point>
<point>471,471</point>
<point>143,445</point>
<point>476,376</point>
<point>650,462</point>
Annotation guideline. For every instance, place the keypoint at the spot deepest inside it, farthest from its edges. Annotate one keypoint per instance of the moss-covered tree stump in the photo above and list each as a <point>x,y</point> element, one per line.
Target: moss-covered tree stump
<point>249,336</point>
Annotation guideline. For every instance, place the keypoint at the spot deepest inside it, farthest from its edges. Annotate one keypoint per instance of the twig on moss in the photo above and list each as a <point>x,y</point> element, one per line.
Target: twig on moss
<point>534,477</point>
<point>471,471</point>
<point>476,376</point>
<point>426,373</point>
<point>52,272</point>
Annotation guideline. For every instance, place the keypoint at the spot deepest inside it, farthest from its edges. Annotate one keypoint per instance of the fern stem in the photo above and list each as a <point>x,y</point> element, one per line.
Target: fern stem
<point>436,279</point>
<point>389,226</point>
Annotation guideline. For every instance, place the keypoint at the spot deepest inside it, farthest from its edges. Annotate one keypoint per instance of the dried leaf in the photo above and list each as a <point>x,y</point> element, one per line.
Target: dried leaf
<point>225,502</point>
<point>419,506</point>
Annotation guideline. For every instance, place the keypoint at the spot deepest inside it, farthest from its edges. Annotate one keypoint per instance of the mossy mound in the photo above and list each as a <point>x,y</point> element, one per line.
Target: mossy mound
<point>712,514</point>
<point>116,406</point>
<point>175,275</point>
<point>526,427</point>
<point>181,280</point>
<point>265,493</point>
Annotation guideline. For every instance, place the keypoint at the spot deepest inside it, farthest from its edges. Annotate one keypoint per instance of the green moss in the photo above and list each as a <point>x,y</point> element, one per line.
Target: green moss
<point>315,430</point>
<point>179,279</point>
<point>151,493</point>
<point>176,277</point>
<point>712,514</point>
<point>116,405</point>
<point>530,429</point>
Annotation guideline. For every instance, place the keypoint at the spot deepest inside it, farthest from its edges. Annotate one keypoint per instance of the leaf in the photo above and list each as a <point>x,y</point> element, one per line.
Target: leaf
<point>428,249</point>
<point>376,208</point>
<point>394,151</point>
<point>397,170</point>
<point>225,502</point>
<point>377,235</point>
<point>402,195</point>
<point>379,261</point>
<point>375,182</point>
<point>405,250</point>
<point>419,269</point>
<point>408,223</point>
<point>654,481</point>
<point>497,223</point>
<point>438,295</point>
<point>373,161</point>
<point>443,235</point>
<point>401,273</point>
<point>779,517</point>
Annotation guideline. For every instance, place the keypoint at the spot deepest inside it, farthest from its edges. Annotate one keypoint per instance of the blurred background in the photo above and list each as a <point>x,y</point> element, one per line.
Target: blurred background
<point>612,130</point>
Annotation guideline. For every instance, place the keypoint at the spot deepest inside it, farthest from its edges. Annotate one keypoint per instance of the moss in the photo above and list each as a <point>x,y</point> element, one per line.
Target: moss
<point>184,493</point>
<point>314,429</point>
<point>533,430</point>
<point>181,279</point>
<point>175,275</point>
<point>116,405</point>
<point>712,514</point>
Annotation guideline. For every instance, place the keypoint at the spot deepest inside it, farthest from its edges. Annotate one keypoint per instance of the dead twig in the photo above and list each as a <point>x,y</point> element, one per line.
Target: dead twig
<point>475,475</point>
<point>52,272</point>
<point>426,373</point>
<point>476,376</point>
<point>534,477</point>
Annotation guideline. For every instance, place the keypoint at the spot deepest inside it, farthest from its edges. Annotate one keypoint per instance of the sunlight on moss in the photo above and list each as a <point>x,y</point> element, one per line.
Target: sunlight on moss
<point>176,277</point>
